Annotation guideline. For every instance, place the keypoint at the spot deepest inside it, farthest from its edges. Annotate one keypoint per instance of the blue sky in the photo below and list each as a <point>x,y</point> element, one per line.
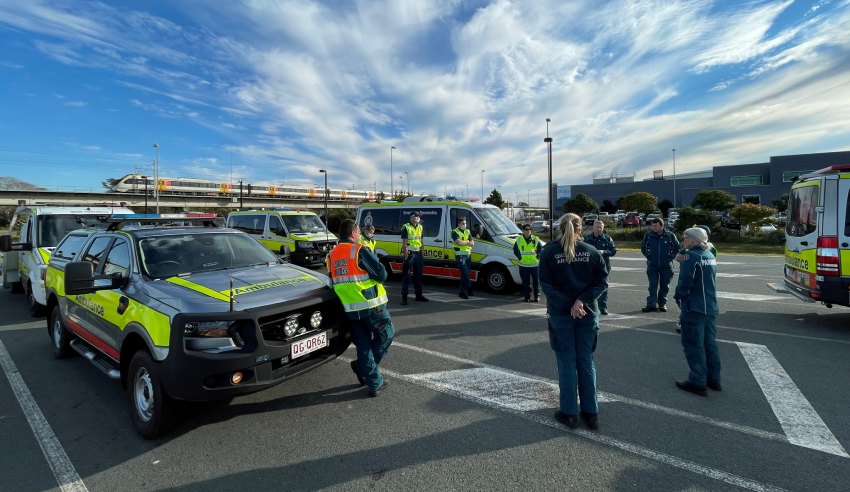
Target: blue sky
<point>273,91</point>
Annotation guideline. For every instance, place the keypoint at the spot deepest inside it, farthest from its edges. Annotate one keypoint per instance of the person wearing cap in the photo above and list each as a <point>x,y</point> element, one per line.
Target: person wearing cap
<point>411,250</point>
<point>573,276</point>
<point>357,277</point>
<point>696,296</point>
<point>527,249</point>
<point>368,237</point>
<point>462,244</point>
<point>603,242</point>
<point>659,247</point>
<point>683,254</point>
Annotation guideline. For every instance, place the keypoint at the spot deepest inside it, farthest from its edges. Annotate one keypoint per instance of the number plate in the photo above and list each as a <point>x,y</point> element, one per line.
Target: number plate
<point>310,344</point>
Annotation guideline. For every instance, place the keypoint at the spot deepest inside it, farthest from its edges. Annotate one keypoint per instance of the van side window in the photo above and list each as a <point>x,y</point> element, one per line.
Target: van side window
<point>472,222</point>
<point>430,218</point>
<point>847,216</point>
<point>802,217</point>
<point>386,221</point>
<point>276,226</point>
<point>70,247</point>
<point>252,224</point>
<point>118,260</point>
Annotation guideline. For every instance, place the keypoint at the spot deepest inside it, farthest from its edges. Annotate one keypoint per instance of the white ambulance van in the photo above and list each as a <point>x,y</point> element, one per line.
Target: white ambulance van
<point>296,235</point>
<point>817,237</point>
<point>33,233</point>
<point>494,265</point>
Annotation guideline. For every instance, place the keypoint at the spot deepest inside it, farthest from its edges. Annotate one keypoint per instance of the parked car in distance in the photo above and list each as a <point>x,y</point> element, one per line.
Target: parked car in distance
<point>632,219</point>
<point>726,220</point>
<point>589,219</point>
<point>652,216</point>
<point>539,226</point>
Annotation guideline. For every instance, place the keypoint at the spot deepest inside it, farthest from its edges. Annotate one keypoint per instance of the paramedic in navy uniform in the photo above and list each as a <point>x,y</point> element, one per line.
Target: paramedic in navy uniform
<point>573,276</point>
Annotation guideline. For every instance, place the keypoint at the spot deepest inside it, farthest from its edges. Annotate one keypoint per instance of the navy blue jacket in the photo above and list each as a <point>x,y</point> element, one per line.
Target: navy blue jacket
<point>605,245</point>
<point>659,249</point>
<point>585,278</point>
<point>697,290</point>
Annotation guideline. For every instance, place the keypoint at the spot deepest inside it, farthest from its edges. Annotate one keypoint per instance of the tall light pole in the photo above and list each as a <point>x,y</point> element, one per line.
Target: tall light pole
<point>674,178</point>
<point>407,180</point>
<point>146,194</point>
<point>156,177</point>
<point>326,198</point>
<point>392,193</point>
<point>528,198</point>
<point>482,185</point>
<point>548,141</point>
<point>467,192</point>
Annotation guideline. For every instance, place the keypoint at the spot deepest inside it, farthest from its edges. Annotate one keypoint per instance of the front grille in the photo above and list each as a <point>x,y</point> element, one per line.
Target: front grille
<point>272,326</point>
<point>324,246</point>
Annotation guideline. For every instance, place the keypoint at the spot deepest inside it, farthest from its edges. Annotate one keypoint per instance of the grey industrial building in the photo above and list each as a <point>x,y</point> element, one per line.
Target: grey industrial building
<point>762,182</point>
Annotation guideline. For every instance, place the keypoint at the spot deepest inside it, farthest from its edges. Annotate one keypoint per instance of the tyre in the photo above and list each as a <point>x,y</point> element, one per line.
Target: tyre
<point>36,309</point>
<point>497,279</point>
<point>60,335</point>
<point>151,410</point>
<point>17,288</point>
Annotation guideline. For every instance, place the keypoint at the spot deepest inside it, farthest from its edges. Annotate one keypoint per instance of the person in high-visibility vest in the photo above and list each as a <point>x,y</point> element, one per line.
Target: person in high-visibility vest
<point>411,250</point>
<point>527,249</point>
<point>462,243</point>
<point>357,277</point>
<point>367,237</point>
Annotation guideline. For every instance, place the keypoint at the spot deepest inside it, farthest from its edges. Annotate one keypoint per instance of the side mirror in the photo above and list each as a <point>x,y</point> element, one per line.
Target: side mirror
<point>79,278</point>
<point>5,242</point>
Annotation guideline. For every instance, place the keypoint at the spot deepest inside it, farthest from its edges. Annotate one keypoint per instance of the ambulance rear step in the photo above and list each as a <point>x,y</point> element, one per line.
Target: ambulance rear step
<point>107,366</point>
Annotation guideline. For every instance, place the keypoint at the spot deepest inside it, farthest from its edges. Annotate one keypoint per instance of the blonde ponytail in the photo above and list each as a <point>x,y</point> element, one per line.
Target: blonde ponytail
<point>569,236</point>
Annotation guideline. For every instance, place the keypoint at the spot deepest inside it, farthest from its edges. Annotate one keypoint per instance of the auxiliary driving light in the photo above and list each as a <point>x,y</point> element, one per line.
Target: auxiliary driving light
<point>291,326</point>
<point>316,319</point>
<point>236,378</point>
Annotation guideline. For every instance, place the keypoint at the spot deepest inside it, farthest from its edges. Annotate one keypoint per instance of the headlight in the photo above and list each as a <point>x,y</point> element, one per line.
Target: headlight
<point>207,328</point>
<point>291,325</point>
<point>304,245</point>
<point>316,319</point>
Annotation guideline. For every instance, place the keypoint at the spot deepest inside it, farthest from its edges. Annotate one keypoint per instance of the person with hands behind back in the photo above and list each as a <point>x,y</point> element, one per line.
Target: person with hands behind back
<point>573,276</point>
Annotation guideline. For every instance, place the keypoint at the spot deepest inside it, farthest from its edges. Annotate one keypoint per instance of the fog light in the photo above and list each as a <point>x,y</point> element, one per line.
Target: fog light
<point>316,319</point>
<point>236,378</point>
<point>291,326</point>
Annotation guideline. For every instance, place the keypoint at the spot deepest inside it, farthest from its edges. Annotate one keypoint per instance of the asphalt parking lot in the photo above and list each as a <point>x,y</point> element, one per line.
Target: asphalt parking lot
<point>473,386</point>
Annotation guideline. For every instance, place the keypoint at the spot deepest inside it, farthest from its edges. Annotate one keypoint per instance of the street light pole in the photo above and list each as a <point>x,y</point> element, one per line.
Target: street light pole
<point>482,185</point>
<point>674,178</point>
<point>326,198</point>
<point>548,141</point>
<point>467,192</point>
<point>407,180</point>
<point>156,177</point>
<point>392,193</point>
<point>146,194</point>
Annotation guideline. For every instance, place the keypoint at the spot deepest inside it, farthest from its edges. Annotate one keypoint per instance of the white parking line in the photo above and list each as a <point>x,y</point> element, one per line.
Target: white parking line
<point>748,297</point>
<point>491,401</point>
<point>798,418</point>
<point>64,471</point>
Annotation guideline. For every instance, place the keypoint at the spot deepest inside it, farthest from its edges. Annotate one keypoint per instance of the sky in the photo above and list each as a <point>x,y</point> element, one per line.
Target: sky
<point>273,91</point>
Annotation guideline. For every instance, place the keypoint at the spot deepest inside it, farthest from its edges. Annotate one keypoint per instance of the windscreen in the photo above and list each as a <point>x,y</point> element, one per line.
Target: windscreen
<point>53,228</point>
<point>303,224</point>
<point>166,256</point>
<point>497,223</point>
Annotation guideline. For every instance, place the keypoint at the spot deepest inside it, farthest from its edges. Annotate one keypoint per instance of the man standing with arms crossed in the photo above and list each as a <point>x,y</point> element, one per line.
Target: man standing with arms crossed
<point>463,243</point>
<point>659,247</point>
<point>527,249</point>
<point>603,242</point>
<point>357,276</point>
<point>411,250</point>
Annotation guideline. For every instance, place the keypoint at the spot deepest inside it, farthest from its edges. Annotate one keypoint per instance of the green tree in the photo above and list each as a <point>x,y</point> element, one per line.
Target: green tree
<point>640,201</point>
<point>781,203</point>
<point>522,204</point>
<point>609,207</point>
<point>381,196</point>
<point>719,200</point>
<point>690,216</point>
<point>751,214</point>
<point>495,198</point>
<point>580,205</point>
<point>665,205</point>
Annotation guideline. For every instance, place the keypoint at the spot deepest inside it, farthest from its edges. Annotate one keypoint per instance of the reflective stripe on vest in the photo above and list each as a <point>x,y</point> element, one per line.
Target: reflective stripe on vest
<point>414,236</point>
<point>350,281</point>
<point>528,250</point>
<point>462,235</point>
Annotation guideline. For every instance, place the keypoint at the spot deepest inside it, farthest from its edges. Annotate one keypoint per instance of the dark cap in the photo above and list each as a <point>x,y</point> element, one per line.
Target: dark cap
<point>526,227</point>
<point>415,214</point>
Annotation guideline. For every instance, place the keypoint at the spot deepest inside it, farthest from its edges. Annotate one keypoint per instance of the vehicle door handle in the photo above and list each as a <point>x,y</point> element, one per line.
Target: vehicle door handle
<point>438,240</point>
<point>804,243</point>
<point>844,245</point>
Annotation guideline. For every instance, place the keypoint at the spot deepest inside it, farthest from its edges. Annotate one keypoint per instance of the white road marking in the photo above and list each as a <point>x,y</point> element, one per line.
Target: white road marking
<point>748,297</point>
<point>734,275</point>
<point>614,285</point>
<point>442,297</point>
<point>798,418</point>
<point>706,471</point>
<point>64,471</point>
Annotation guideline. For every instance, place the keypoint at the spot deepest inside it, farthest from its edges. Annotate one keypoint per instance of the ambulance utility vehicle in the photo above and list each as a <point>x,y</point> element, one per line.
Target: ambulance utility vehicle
<point>33,233</point>
<point>817,237</point>
<point>494,265</point>
<point>297,235</point>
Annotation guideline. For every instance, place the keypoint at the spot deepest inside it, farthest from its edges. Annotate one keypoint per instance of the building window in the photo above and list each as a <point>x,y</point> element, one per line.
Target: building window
<point>746,180</point>
<point>788,176</point>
